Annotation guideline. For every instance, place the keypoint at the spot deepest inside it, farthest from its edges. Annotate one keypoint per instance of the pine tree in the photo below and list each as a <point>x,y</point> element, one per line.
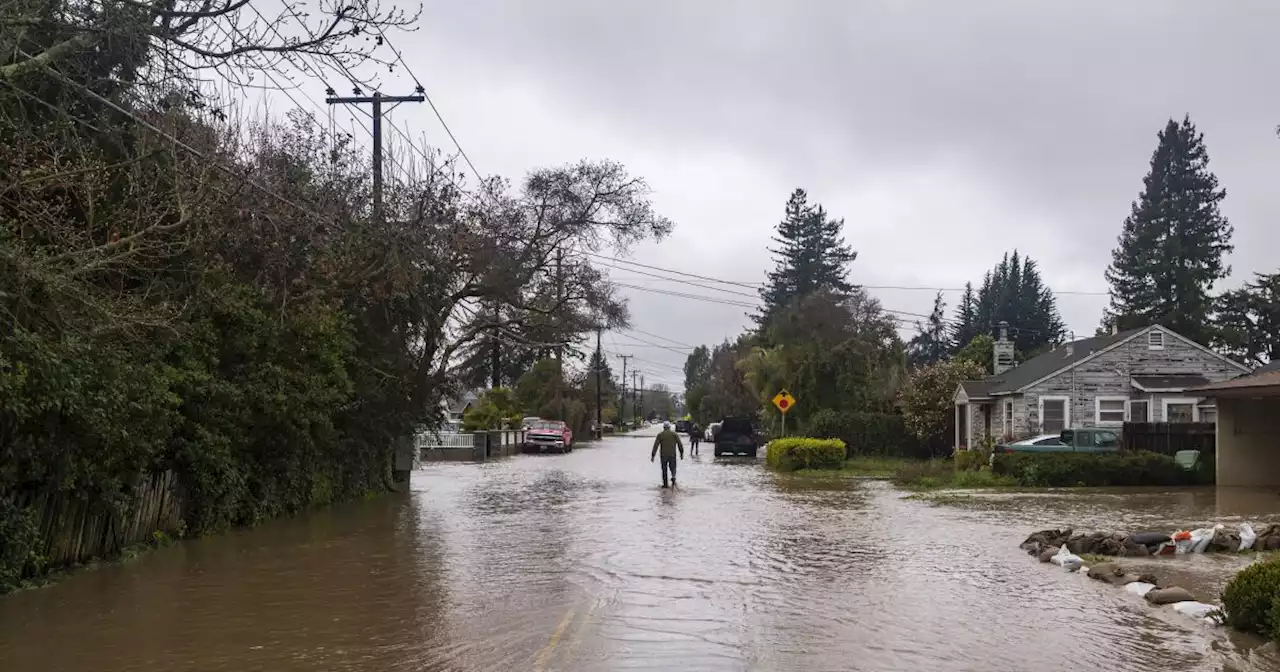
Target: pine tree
<point>932,343</point>
<point>1012,292</point>
<point>1169,252</point>
<point>1248,320</point>
<point>811,256</point>
<point>966,322</point>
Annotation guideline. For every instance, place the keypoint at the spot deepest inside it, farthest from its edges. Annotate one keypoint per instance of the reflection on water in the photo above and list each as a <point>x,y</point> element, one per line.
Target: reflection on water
<point>580,562</point>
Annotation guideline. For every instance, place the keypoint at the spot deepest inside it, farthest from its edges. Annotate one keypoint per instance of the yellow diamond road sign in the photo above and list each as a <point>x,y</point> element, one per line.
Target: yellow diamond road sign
<point>784,401</point>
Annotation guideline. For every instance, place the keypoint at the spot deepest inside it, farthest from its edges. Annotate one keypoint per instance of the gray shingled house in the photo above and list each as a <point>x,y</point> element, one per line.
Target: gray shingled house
<point>1136,375</point>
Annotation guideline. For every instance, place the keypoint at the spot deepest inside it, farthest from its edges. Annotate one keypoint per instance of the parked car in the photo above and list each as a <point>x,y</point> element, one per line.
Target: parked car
<point>682,426</point>
<point>548,436</point>
<point>709,434</point>
<point>736,436</point>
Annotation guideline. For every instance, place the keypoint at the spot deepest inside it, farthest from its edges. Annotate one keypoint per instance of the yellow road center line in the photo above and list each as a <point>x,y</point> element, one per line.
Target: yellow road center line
<point>576,639</point>
<point>549,650</point>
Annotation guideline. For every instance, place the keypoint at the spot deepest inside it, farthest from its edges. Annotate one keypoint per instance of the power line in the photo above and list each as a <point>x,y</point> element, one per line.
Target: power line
<point>756,285</point>
<point>664,338</point>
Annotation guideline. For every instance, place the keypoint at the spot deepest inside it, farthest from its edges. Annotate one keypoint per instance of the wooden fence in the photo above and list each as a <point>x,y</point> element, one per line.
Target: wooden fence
<point>1168,438</point>
<point>74,531</point>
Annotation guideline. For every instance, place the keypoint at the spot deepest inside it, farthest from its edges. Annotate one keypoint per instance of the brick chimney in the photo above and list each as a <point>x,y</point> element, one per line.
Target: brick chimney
<point>1002,357</point>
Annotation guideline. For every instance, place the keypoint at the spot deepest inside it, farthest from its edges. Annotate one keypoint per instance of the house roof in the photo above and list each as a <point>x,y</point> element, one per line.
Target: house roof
<point>1148,383</point>
<point>1268,381</point>
<point>976,389</point>
<point>1068,354</point>
<point>460,404</point>
<point>1051,362</point>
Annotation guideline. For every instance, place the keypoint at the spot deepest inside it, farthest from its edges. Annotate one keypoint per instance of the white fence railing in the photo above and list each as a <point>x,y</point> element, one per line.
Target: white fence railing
<point>435,441</point>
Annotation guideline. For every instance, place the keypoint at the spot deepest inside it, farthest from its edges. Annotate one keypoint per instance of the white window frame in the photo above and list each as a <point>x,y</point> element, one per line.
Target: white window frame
<point>1128,410</point>
<point>1097,411</point>
<point>1066,410</point>
<point>1151,337</point>
<point>1006,414</point>
<point>1192,401</point>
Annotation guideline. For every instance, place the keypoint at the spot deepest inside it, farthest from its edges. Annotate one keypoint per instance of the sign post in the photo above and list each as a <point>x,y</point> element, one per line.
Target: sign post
<point>784,401</point>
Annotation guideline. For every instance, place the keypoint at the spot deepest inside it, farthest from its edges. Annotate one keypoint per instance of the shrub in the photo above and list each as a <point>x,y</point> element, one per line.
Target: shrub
<point>801,452</point>
<point>866,434</point>
<point>971,460</point>
<point>18,542</point>
<point>1091,469</point>
<point>1251,599</point>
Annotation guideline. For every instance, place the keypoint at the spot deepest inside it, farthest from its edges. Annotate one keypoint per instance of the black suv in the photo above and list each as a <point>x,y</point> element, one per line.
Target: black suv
<point>736,436</point>
<point>682,426</point>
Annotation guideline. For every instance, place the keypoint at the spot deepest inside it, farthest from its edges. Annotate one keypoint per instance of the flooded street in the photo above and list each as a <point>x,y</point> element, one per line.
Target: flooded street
<point>581,562</point>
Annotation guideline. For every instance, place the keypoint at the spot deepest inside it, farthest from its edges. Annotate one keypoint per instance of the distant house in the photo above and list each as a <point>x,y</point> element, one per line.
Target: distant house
<point>1140,375</point>
<point>455,408</point>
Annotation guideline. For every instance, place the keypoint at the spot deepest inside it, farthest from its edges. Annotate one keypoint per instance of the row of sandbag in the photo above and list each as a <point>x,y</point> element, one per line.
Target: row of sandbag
<point>1216,538</point>
<point>1142,585</point>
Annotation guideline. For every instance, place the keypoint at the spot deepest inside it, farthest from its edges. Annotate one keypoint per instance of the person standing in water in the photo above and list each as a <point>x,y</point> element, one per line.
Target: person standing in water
<point>695,436</point>
<point>668,442</point>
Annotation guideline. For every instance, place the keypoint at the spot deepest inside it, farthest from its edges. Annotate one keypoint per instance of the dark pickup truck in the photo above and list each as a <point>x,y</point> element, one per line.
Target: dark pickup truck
<point>736,436</point>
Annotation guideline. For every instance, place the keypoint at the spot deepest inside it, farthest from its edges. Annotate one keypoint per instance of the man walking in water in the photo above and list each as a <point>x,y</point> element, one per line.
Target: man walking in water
<point>695,435</point>
<point>669,442</point>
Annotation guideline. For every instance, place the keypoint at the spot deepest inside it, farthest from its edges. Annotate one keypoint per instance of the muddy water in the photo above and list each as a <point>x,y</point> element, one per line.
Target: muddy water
<point>580,562</point>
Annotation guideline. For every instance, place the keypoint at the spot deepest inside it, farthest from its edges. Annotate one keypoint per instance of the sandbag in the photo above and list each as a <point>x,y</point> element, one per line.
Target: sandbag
<point>1194,609</point>
<point>1149,538</point>
<point>1140,588</point>
<point>1201,537</point>
<point>1247,536</point>
<point>1182,543</point>
<point>1067,560</point>
<point>1169,595</point>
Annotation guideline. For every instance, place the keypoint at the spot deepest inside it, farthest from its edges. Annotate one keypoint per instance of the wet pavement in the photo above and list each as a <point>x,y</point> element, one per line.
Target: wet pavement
<point>581,562</point>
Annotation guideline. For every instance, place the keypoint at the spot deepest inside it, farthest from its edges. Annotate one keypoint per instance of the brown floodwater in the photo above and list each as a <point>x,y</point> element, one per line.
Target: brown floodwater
<point>580,562</point>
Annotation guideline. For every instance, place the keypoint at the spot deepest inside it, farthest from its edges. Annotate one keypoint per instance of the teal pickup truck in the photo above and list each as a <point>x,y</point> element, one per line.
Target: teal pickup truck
<point>1080,440</point>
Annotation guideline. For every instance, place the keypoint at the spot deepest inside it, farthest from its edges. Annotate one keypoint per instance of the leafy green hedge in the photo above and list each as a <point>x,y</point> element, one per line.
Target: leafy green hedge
<point>871,434</point>
<point>1251,600</point>
<point>792,453</point>
<point>1092,469</point>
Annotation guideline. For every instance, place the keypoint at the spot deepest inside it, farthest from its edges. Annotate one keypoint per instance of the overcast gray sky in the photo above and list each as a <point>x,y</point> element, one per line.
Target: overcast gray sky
<point>944,133</point>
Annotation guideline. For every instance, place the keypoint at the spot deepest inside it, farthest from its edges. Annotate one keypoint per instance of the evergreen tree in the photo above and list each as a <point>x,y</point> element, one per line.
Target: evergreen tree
<point>811,256</point>
<point>1249,320</point>
<point>609,388</point>
<point>1011,292</point>
<point>1169,252</point>
<point>932,343</point>
<point>966,322</point>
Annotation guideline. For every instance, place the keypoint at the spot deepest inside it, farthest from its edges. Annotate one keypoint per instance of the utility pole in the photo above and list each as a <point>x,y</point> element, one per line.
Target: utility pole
<point>377,99</point>
<point>599,386</point>
<point>622,408</point>
<point>635,400</point>
<point>640,397</point>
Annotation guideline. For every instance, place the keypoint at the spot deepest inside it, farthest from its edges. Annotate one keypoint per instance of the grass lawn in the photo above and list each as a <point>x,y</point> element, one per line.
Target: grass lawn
<point>942,475</point>
<point>860,467</point>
